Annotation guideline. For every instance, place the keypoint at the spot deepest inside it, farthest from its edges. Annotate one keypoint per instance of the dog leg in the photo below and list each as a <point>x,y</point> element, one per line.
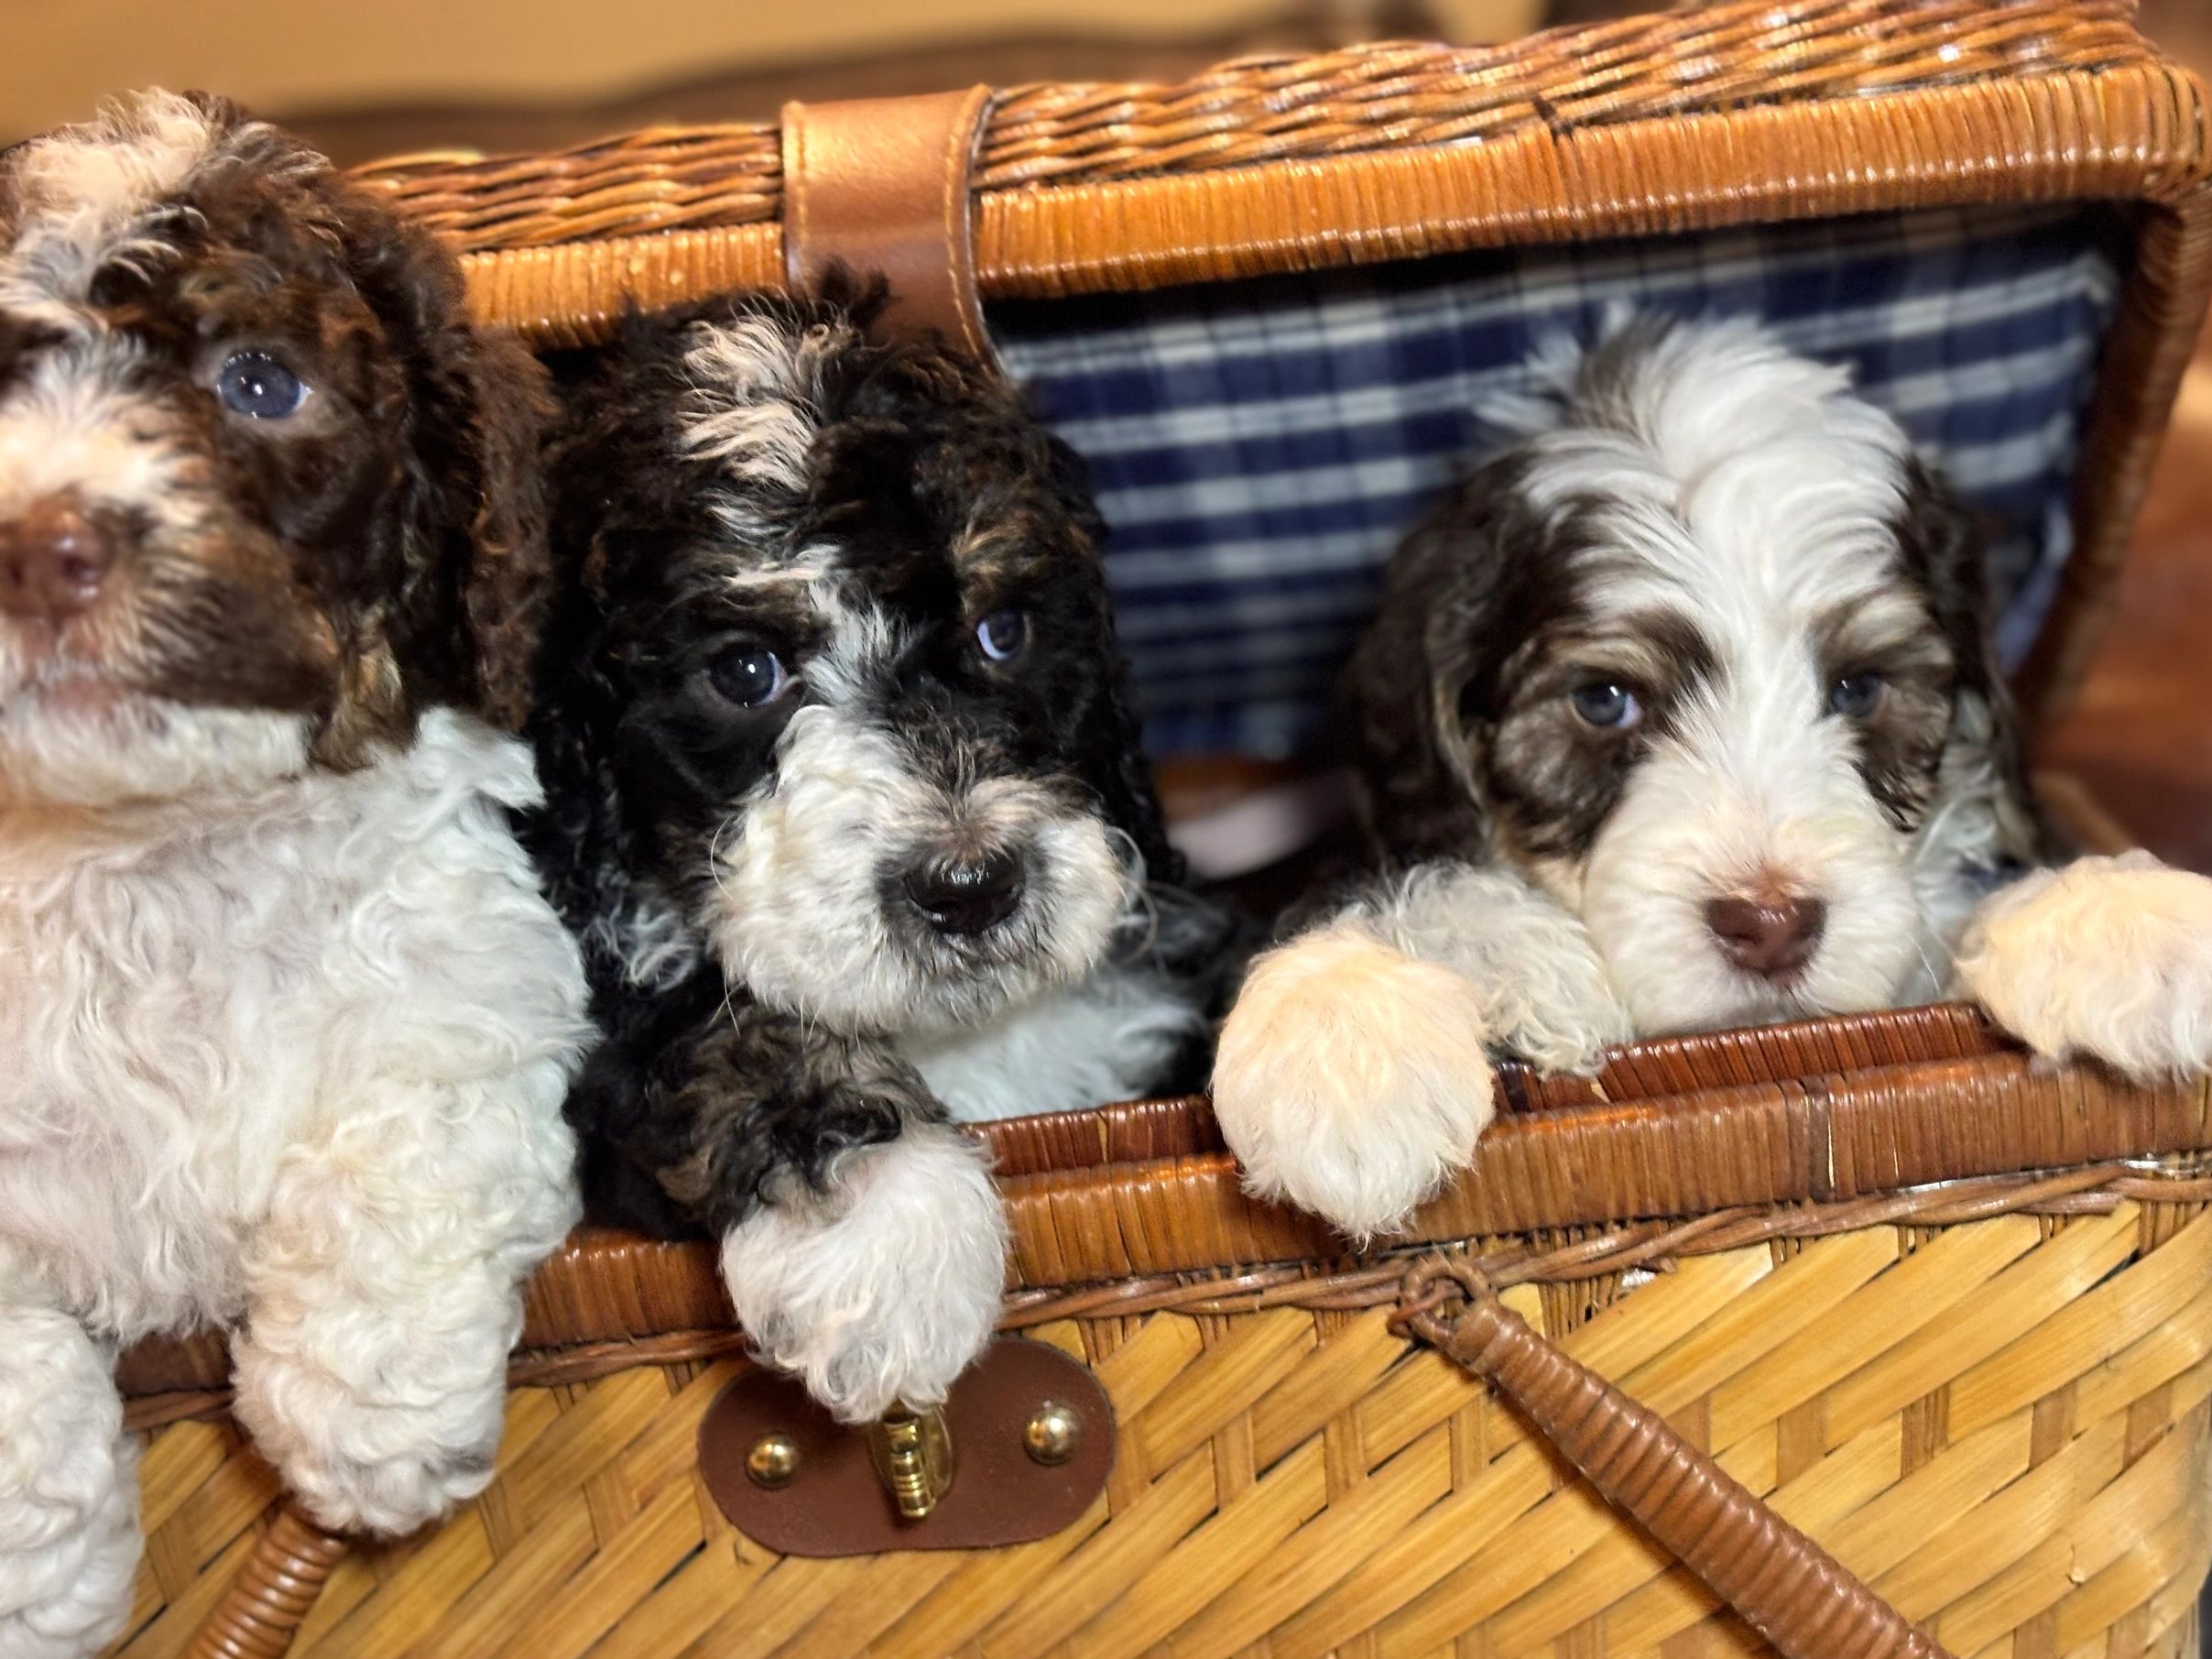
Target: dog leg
<point>1354,1074</point>
<point>863,1243</point>
<point>1546,995</point>
<point>2106,957</point>
<point>68,1486</point>
<point>879,1290</point>
<point>384,1295</point>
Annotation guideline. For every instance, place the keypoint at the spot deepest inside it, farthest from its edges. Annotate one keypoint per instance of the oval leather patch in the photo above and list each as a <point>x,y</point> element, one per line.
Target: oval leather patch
<point>834,1502</point>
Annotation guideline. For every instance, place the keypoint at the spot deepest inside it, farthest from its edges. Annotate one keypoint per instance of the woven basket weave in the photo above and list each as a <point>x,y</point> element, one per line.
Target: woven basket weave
<point>1987,1396</point>
<point>1950,1312</point>
<point>2026,1470</point>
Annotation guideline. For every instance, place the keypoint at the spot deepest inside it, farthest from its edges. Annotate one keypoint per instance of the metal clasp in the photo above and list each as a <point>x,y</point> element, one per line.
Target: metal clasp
<point>913,1454</point>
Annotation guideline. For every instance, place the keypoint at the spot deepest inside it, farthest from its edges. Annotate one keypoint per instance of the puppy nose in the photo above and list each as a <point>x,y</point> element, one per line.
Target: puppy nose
<point>52,562</point>
<point>1772,935</point>
<point>963,897</point>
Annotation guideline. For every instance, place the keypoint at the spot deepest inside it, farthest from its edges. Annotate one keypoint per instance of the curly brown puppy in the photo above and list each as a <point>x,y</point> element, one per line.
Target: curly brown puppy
<point>290,1022</point>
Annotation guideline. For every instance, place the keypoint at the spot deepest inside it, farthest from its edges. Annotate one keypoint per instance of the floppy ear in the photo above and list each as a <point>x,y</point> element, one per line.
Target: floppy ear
<point>1125,782</point>
<point>582,838</point>
<point>1943,546</point>
<point>10,191</point>
<point>1070,479</point>
<point>1130,798</point>
<point>1418,701</point>
<point>509,579</point>
<point>579,838</point>
<point>477,570</point>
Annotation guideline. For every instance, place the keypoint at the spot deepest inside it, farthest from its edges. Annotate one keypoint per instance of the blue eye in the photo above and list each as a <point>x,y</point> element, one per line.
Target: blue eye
<point>1856,696</point>
<point>1002,634</point>
<point>750,679</point>
<point>256,384</point>
<point>1608,704</point>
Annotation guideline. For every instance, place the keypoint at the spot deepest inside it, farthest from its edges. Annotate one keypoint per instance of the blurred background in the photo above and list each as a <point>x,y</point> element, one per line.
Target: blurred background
<point>395,76</point>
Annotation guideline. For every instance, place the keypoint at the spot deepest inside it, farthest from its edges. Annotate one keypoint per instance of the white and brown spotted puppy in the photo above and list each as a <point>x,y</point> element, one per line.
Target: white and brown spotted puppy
<point>288,1022</point>
<point>1681,713</point>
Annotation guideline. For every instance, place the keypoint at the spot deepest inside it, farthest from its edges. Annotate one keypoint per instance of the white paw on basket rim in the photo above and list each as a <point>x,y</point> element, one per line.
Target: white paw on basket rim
<point>881,1291</point>
<point>1351,1080</point>
<point>2108,957</point>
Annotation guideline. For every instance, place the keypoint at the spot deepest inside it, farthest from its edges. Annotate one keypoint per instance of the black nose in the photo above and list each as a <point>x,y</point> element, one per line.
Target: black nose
<point>52,562</point>
<point>1772,935</point>
<point>964,897</point>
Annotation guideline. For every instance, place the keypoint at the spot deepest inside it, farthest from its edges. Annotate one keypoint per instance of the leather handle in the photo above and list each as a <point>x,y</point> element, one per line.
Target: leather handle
<point>273,1594</point>
<point>1792,1593</point>
<point>882,185</point>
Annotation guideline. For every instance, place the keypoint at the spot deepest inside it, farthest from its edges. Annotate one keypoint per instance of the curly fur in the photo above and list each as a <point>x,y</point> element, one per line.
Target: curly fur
<point>823,1277</point>
<point>758,475</point>
<point>69,1492</point>
<point>290,1021</point>
<point>1692,514</point>
<point>2106,959</point>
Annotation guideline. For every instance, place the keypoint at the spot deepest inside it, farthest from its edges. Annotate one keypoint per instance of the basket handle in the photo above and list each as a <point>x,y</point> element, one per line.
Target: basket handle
<point>1792,1593</point>
<point>265,1605</point>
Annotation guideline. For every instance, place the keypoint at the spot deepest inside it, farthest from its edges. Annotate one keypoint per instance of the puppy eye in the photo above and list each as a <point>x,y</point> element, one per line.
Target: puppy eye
<point>1002,634</point>
<point>750,679</point>
<point>1857,695</point>
<point>1607,703</point>
<point>256,384</point>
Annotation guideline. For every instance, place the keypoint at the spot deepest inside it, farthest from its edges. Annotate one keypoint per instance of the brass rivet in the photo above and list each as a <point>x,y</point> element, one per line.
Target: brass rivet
<point>773,1460</point>
<point>1051,1433</point>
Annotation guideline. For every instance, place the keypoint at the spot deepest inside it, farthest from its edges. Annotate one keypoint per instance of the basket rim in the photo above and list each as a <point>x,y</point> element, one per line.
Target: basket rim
<point>1845,1113</point>
<point>684,1317</point>
<point>1303,110</point>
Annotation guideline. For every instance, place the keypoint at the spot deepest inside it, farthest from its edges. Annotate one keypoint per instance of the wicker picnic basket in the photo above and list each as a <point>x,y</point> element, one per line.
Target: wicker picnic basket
<point>1900,1329</point>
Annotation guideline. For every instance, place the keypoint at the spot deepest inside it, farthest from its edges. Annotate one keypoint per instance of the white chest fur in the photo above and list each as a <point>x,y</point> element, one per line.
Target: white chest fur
<point>191,999</point>
<point>1102,1040</point>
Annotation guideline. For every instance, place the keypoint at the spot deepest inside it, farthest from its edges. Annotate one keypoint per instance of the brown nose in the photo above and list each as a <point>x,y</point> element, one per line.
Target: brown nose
<point>1770,935</point>
<point>52,560</point>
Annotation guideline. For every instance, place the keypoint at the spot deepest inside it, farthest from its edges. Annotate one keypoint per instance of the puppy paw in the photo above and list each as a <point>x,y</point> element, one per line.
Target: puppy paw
<point>388,1459</point>
<point>1351,1080</point>
<point>381,1413</point>
<point>881,1292</point>
<point>2105,957</point>
<point>69,1492</point>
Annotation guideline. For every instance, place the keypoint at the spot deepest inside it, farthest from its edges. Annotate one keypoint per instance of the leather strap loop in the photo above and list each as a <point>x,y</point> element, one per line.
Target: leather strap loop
<point>883,184</point>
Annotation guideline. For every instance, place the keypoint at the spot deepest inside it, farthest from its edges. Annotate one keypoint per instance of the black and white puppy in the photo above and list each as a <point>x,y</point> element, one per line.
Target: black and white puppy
<point>289,1020</point>
<point>848,807</point>
<point>1680,714</point>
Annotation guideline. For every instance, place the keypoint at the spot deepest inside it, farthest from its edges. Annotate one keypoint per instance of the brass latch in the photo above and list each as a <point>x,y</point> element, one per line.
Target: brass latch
<point>913,1454</point>
<point>1032,1430</point>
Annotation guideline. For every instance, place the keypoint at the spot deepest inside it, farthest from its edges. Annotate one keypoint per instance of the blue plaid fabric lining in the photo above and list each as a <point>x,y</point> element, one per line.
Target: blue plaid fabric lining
<point>1259,446</point>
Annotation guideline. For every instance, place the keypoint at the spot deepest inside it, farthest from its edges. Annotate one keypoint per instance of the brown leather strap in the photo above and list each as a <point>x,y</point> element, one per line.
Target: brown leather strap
<point>1789,1589</point>
<point>882,183</point>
